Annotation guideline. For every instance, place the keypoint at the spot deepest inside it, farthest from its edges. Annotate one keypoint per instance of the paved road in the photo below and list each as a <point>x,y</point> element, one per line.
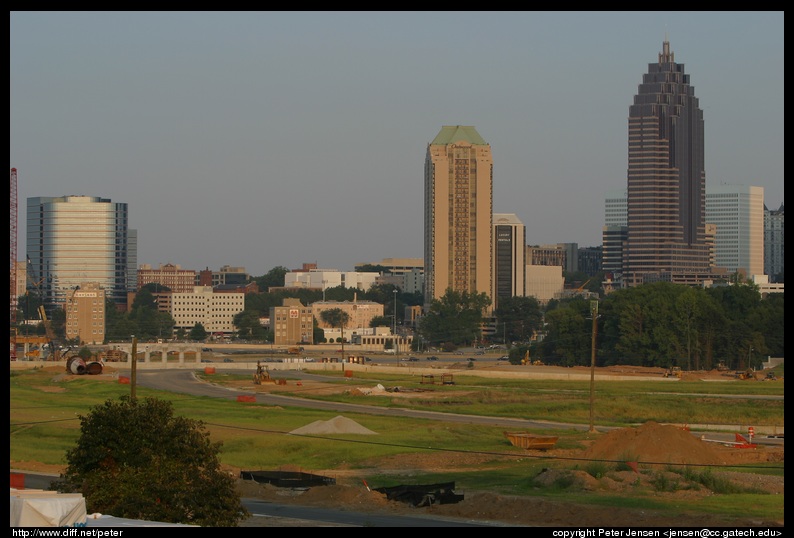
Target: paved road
<point>185,382</point>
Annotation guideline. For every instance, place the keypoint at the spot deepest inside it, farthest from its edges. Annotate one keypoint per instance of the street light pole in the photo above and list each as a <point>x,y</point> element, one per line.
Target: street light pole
<point>594,313</point>
<point>394,331</point>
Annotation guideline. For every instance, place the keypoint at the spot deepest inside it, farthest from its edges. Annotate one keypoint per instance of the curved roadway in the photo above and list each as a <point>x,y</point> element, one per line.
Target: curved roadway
<point>185,382</point>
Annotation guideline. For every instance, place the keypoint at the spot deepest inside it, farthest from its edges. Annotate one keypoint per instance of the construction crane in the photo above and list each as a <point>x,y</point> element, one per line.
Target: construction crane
<point>55,352</point>
<point>13,316</point>
<point>54,349</point>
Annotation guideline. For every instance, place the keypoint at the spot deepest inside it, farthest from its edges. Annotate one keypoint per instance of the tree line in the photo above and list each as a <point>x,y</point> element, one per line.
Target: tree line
<point>659,324</point>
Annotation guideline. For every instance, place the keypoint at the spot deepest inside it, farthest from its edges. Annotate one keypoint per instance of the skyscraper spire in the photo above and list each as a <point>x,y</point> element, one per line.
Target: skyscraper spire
<point>666,56</point>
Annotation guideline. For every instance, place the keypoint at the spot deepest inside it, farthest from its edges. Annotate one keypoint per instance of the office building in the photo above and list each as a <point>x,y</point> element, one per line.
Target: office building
<point>227,275</point>
<point>322,279</point>
<point>292,323</point>
<point>85,314</point>
<point>214,311</point>
<point>458,213</point>
<point>544,282</point>
<point>773,243</point>
<point>666,239</point>
<point>168,276</point>
<point>76,239</point>
<point>737,211</point>
<point>590,259</point>
<point>733,231</point>
<point>509,271</point>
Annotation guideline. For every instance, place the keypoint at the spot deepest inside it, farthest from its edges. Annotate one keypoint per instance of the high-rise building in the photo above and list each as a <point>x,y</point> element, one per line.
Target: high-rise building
<point>733,230</point>
<point>510,267</point>
<point>77,239</point>
<point>458,213</point>
<point>737,211</point>
<point>666,237</point>
<point>773,243</point>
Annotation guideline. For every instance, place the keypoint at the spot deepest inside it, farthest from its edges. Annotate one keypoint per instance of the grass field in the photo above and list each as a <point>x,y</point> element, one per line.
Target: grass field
<point>45,407</point>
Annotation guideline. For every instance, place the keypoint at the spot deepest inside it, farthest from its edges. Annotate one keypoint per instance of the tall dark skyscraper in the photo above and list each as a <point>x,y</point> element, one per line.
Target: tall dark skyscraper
<point>666,219</point>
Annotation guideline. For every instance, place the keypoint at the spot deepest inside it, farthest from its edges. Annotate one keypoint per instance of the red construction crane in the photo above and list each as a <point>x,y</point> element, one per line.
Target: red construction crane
<point>13,264</point>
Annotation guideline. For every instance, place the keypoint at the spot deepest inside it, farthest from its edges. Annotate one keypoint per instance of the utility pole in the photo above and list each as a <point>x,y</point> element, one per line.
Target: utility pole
<point>396,348</point>
<point>594,314</point>
<point>133,368</point>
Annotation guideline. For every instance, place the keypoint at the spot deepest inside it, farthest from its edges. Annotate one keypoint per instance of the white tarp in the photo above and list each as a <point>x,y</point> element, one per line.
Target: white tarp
<point>37,508</point>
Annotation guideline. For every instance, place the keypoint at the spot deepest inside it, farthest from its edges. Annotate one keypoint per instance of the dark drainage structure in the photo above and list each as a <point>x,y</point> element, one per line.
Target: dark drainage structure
<point>423,495</point>
<point>288,479</point>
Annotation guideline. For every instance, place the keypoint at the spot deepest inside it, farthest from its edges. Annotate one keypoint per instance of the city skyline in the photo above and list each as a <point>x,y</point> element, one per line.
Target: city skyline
<point>259,139</point>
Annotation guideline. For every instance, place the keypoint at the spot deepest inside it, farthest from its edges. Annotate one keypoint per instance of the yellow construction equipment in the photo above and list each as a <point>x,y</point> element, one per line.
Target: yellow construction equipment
<point>747,374</point>
<point>262,374</point>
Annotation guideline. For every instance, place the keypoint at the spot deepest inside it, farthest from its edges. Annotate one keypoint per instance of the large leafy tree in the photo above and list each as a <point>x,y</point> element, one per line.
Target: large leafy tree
<point>335,317</point>
<point>136,459</point>
<point>198,333</point>
<point>455,318</point>
<point>273,279</point>
<point>518,318</point>
<point>248,326</point>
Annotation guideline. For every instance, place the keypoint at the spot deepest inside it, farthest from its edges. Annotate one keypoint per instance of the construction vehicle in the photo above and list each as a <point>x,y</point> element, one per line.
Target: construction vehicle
<point>747,374</point>
<point>262,374</point>
<point>722,367</point>
<point>675,371</point>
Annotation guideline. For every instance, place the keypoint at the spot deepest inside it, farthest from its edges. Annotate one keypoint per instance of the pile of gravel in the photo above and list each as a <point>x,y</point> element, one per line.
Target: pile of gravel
<point>337,424</point>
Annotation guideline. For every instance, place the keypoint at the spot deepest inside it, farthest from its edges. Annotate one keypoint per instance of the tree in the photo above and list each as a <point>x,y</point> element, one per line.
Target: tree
<point>380,321</point>
<point>198,333</point>
<point>135,459</point>
<point>455,318</point>
<point>519,318</point>
<point>248,326</point>
<point>336,317</point>
<point>274,278</point>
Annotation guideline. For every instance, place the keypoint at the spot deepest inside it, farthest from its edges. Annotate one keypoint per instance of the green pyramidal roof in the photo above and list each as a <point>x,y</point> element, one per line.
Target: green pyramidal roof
<point>449,134</point>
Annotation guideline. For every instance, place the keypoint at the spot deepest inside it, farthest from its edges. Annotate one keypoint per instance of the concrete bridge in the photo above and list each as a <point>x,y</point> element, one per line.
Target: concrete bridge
<point>147,349</point>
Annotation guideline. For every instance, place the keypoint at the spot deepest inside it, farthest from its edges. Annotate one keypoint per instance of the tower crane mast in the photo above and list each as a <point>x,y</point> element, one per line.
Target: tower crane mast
<point>13,229</point>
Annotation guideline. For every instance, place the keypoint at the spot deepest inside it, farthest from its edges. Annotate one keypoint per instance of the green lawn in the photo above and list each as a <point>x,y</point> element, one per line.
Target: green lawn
<point>45,410</point>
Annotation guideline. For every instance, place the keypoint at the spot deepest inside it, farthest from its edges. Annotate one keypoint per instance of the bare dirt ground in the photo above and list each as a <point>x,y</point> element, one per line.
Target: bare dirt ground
<point>649,442</point>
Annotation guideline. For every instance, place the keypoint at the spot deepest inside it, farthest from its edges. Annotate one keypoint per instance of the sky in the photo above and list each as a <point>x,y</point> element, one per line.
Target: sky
<point>262,139</point>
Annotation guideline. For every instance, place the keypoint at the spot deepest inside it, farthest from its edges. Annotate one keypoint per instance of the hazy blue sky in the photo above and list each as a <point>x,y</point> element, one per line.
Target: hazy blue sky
<point>261,139</point>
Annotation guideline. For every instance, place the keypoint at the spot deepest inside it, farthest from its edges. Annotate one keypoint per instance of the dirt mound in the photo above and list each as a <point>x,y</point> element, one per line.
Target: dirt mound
<point>653,443</point>
<point>337,424</point>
